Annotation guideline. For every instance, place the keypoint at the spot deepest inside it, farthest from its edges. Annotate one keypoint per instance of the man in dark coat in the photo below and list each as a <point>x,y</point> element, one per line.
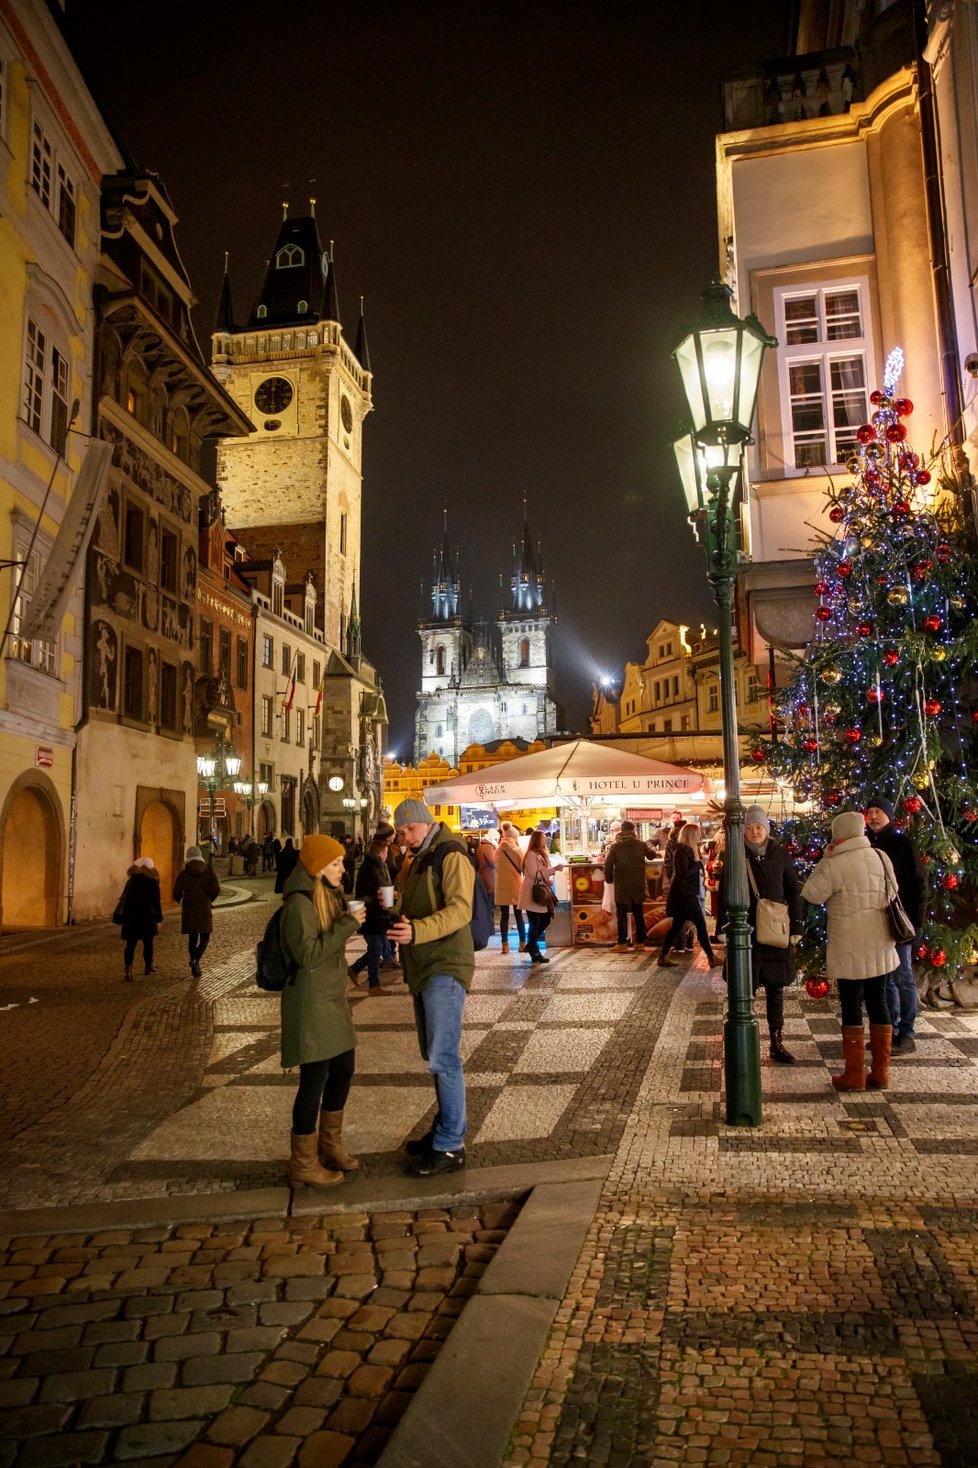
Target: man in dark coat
<point>901,987</point>
<point>625,869</point>
<point>774,876</point>
<point>285,863</point>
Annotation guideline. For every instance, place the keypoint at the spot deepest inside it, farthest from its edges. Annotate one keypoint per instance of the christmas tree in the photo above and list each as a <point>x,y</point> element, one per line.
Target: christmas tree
<point>885,701</point>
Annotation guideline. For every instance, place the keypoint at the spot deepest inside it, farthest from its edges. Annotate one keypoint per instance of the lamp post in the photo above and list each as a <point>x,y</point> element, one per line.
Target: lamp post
<point>217,771</point>
<point>720,365</point>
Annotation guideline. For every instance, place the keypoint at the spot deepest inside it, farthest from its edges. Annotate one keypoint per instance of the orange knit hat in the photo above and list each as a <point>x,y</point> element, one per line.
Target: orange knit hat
<point>317,852</point>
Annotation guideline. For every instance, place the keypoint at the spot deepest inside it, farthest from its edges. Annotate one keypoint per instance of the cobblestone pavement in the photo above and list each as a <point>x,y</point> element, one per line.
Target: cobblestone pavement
<point>260,1343</point>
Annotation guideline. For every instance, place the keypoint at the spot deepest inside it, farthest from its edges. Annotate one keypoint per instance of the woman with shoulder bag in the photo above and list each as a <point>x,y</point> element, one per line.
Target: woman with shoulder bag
<point>856,885</point>
<point>771,877</point>
<point>317,1027</point>
<point>683,903</point>
<point>536,894</point>
<point>509,878</point>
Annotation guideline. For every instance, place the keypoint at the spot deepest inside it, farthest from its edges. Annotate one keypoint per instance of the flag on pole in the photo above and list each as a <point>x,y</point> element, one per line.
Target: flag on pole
<point>319,699</point>
<point>289,698</point>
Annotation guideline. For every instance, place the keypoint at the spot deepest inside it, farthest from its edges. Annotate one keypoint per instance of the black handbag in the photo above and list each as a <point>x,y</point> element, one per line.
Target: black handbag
<point>902,929</point>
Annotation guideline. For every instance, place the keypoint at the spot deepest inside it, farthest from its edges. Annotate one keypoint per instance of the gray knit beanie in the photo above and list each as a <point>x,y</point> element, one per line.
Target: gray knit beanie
<point>413,813</point>
<point>756,815</point>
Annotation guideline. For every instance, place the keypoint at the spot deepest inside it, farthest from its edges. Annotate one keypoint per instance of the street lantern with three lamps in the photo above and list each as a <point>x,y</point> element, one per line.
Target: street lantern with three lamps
<point>217,771</point>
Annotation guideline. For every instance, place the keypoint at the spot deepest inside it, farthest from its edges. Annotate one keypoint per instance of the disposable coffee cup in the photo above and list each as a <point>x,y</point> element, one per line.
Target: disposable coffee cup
<point>356,907</point>
<point>386,896</point>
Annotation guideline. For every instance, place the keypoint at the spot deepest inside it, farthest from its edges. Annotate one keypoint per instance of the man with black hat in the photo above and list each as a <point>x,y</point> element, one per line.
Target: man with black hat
<point>901,988</point>
<point>624,868</point>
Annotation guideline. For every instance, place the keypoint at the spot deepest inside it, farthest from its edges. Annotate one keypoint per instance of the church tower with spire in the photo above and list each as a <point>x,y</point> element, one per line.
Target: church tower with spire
<point>446,644</point>
<point>294,485</point>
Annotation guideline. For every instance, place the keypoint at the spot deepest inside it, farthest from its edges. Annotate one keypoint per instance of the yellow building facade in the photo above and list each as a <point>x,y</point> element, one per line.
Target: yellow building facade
<point>409,782</point>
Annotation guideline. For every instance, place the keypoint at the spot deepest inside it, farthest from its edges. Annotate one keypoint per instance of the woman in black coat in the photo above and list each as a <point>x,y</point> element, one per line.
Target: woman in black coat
<point>285,863</point>
<point>141,912</point>
<point>684,903</point>
<point>775,877</point>
<point>195,890</point>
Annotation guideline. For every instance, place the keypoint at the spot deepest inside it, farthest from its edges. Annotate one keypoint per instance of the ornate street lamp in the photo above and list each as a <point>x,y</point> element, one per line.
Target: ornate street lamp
<point>720,366</point>
<point>217,771</point>
<point>251,792</point>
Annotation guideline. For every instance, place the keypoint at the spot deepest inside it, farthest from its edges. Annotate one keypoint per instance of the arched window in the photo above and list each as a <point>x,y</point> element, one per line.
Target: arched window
<point>302,308</point>
<point>440,661</point>
<point>288,256</point>
<point>262,312</point>
<point>524,652</point>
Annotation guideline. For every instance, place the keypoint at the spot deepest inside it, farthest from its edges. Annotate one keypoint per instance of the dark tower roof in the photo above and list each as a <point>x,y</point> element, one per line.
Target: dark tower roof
<point>294,290</point>
<point>446,590</point>
<point>331,301</point>
<point>361,351</point>
<point>527,578</point>
<point>225,312</point>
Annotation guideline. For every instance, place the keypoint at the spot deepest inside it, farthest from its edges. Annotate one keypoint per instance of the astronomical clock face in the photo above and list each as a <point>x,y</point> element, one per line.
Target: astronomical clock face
<point>346,413</point>
<point>273,395</point>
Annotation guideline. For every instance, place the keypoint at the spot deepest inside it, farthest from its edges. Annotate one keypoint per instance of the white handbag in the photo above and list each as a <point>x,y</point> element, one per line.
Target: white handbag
<point>772,925</point>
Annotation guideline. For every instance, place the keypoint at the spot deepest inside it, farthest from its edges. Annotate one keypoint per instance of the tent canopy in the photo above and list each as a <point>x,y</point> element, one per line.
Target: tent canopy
<point>578,774</point>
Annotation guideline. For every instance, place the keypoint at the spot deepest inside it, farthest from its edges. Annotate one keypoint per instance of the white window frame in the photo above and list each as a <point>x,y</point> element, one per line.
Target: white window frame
<point>46,384</point>
<point>713,697</point>
<point>824,352</point>
<point>40,653</point>
<point>289,256</point>
<point>53,178</point>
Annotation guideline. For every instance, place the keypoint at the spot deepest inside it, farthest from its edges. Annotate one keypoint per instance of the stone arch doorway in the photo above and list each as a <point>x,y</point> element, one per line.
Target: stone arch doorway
<point>30,891</point>
<point>265,820</point>
<point>157,838</point>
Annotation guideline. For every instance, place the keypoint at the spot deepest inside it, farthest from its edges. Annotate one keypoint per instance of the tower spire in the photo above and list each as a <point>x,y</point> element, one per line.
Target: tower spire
<point>360,350</point>
<point>330,310</point>
<point>224,320</point>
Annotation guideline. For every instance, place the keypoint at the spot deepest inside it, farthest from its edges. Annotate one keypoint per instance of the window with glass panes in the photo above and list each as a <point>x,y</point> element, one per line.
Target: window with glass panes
<point>266,716</point>
<point>286,725</point>
<point>825,345</point>
<point>300,726</point>
<point>242,677</point>
<point>267,652</point>
<point>206,654</point>
<point>286,659</point>
<point>168,696</point>
<point>39,652</point>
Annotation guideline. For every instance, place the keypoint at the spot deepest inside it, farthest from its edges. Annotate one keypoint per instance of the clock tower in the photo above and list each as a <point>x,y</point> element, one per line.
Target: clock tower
<point>294,485</point>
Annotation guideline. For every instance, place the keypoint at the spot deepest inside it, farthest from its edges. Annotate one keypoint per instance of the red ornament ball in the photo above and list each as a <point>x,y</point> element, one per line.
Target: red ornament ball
<point>921,951</point>
<point>792,848</point>
<point>933,623</point>
<point>970,816</point>
<point>938,957</point>
<point>922,570</point>
<point>943,554</point>
<point>833,797</point>
<point>844,568</point>
<point>896,433</point>
<point>876,397</point>
<point>901,508</point>
<point>903,407</point>
<point>837,514</point>
<point>974,716</point>
<point>891,657</point>
<point>822,588</point>
<point>813,853</point>
<point>809,745</point>
<point>949,882</point>
<point>758,756</point>
<point>866,433</point>
<point>817,988</point>
<point>873,477</point>
<point>853,736</point>
<point>908,461</point>
<point>864,629</point>
<point>913,805</point>
<point>875,695</point>
<point>932,707</point>
<point>823,614</point>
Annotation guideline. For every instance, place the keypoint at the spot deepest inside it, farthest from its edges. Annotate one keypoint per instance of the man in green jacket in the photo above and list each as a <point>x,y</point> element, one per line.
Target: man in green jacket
<point>435,944</point>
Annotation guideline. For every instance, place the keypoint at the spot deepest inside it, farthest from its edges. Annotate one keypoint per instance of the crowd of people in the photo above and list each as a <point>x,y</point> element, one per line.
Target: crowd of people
<point>409,892</point>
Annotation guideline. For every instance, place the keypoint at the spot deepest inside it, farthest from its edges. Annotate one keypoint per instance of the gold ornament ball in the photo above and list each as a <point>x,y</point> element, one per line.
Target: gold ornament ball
<point>854,466</point>
<point>958,603</point>
<point>867,542</point>
<point>898,597</point>
<point>875,741</point>
<point>921,781</point>
<point>948,854</point>
<point>832,710</point>
<point>831,674</point>
<point>939,654</point>
<point>875,451</point>
<point>855,605</point>
<point>856,525</point>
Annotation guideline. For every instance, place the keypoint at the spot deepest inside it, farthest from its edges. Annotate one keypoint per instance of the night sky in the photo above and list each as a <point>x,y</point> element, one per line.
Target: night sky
<point>525,197</point>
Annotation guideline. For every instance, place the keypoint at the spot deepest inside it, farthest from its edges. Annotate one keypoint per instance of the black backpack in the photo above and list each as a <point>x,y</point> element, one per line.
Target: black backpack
<point>274,965</point>
<point>482,924</point>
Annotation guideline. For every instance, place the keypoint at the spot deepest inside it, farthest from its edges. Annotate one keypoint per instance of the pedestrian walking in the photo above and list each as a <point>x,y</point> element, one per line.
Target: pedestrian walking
<point>317,1027</point>
<point>537,880</point>
<point>485,862</point>
<point>267,853</point>
<point>855,884</point>
<point>141,912</point>
<point>772,874</point>
<point>195,889</point>
<point>624,868</point>
<point>285,863</point>
<point>437,952</point>
<point>350,859</point>
<point>372,876</point>
<point>509,878</point>
<point>901,988</point>
<point>683,902</point>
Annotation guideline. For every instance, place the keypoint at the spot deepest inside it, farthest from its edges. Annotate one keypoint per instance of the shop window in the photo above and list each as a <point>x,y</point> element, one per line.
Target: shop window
<point>242,670</point>
<point>134,538</point>
<point>266,716</point>
<point>132,683</point>
<point>168,696</point>
<point>267,652</point>
<point>206,658</point>
<point>169,560</point>
<point>826,343</point>
<point>39,652</point>
<point>224,641</point>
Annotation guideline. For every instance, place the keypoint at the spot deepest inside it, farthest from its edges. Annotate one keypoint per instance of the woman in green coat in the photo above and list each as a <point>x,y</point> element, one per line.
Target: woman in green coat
<point>317,1027</point>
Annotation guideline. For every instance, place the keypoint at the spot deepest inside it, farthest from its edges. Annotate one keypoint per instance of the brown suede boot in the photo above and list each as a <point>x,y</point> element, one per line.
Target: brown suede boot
<point>332,1153</point>
<point>854,1053</point>
<point>304,1165</point>
<point>880,1045</point>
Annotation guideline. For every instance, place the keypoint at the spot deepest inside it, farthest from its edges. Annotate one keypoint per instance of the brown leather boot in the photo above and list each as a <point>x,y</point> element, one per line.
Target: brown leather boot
<point>880,1045</point>
<point>332,1153</point>
<point>854,1053</point>
<point>304,1165</point>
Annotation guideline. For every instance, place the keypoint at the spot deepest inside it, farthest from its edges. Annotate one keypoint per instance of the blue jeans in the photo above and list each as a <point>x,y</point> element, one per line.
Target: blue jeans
<point>438,1019</point>
<point>371,960</point>
<point>901,994</point>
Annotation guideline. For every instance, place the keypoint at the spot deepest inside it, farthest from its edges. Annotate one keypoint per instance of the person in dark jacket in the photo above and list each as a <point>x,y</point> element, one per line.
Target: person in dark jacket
<point>901,987</point>
<point>683,903</point>
<point>373,875</point>
<point>625,869</point>
<point>775,877</point>
<point>195,890</point>
<point>142,912</point>
<point>285,863</point>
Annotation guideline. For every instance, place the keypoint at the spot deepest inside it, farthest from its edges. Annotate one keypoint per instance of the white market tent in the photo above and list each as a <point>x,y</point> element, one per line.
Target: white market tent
<point>580,775</point>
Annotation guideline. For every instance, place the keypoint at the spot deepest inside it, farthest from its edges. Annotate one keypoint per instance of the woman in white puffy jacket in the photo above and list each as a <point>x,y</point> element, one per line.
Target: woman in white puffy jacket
<point>856,883</point>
